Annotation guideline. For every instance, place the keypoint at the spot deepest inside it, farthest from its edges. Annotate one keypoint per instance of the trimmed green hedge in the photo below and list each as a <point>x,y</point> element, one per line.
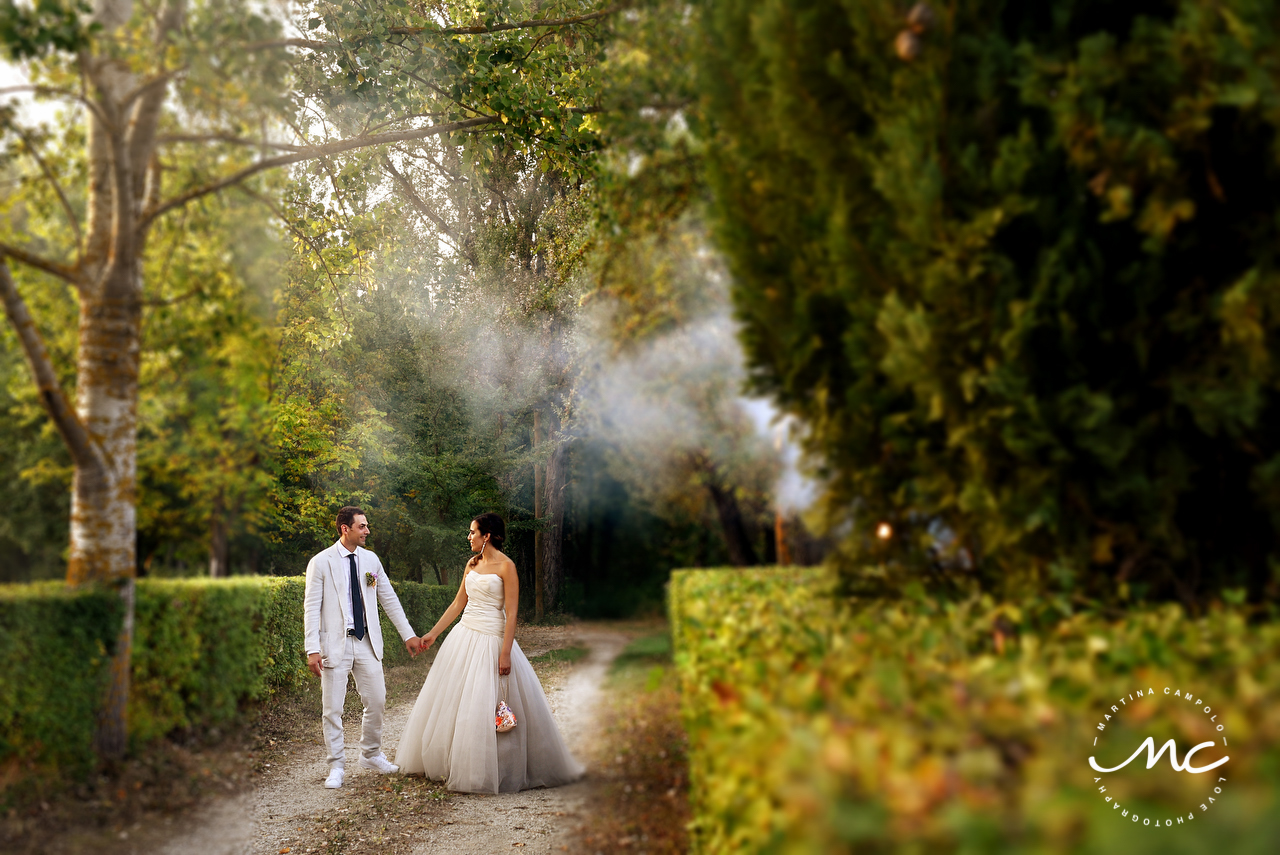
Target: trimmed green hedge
<point>923,726</point>
<point>423,605</point>
<point>55,647</point>
<point>202,648</point>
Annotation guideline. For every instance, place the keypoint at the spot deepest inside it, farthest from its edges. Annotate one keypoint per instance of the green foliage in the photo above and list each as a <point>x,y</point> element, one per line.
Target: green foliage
<point>207,353</point>
<point>649,651</point>
<point>922,725</point>
<point>562,654</point>
<point>624,544</point>
<point>1019,290</point>
<point>54,661</point>
<point>37,470</point>
<point>206,405</point>
<point>205,408</point>
<point>539,82</point>
<point>202,650</point>
<point>649,187</point>
<point>423,605</point>
<point>46,25</point>
<point>388,398</point>
<point>198,651</point>
<point>204,647</point>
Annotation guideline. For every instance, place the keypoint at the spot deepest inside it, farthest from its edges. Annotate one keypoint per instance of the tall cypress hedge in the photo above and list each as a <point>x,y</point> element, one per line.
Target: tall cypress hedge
<point>1021,288</point>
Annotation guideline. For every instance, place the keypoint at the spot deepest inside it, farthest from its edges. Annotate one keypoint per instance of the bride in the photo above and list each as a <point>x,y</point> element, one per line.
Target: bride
<point>451,734</point>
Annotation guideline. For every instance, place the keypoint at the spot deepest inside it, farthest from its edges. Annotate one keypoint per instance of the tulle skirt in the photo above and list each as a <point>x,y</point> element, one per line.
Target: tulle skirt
<point>450,734</point>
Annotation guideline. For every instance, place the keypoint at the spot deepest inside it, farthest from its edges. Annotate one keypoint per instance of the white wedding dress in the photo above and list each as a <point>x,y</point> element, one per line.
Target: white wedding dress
<point>450,734</point>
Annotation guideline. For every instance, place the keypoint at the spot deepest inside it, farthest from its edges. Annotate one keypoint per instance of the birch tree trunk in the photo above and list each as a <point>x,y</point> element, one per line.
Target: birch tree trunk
<point>122,131</point>
<point>104,498</point>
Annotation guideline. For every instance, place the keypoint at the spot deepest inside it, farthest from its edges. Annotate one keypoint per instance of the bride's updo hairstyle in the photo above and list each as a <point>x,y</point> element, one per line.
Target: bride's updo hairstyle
<point>492,525</point>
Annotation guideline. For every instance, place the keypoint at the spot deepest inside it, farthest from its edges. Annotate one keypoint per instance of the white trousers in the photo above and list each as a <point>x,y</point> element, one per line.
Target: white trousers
<point>358,660</point>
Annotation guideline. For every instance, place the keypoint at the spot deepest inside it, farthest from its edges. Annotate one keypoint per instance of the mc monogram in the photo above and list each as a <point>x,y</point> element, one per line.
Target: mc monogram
<point>1190,713</point>
<point>1154,756</point>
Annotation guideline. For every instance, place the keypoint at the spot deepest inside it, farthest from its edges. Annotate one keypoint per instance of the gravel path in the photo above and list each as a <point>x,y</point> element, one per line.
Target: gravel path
<point>291,792</point>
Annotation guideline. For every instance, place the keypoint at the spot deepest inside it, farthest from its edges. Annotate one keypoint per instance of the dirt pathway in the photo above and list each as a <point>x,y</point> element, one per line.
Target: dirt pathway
<point>290,802</point>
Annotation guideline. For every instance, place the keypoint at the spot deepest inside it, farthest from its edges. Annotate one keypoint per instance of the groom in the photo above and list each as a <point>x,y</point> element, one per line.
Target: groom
<point>345,583</point>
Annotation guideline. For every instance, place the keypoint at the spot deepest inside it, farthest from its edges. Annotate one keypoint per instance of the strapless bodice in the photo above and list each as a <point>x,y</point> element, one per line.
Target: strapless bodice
<point>486,599</point>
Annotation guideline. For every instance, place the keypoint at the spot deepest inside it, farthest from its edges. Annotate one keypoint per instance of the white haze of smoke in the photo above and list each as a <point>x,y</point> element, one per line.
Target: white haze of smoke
<point>682,391</point>
<point>794,491</point>
<point>504,363</point>
<point>515,365</point>
<point>661,389</point>
<point>675,394</point>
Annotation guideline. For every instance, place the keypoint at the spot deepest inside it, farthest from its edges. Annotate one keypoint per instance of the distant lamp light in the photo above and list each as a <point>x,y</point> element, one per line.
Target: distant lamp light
<point>884,531</point>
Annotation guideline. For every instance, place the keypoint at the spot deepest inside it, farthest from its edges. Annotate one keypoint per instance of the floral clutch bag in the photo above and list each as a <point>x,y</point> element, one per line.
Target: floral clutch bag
<point>504,719</point>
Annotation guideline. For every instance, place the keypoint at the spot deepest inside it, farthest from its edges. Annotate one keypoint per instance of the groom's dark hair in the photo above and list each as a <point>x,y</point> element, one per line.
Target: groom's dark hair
<point>347,516</point>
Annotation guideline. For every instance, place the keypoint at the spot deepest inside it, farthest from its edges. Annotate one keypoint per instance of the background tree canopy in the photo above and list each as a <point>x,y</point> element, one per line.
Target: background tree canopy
<point>402,325</point>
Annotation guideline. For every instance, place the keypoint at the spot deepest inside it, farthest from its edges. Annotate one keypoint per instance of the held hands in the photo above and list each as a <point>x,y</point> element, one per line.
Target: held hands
<point>504,664</point>
<point>414,646</point>
<point>313,664</point>
<point>428,640</point>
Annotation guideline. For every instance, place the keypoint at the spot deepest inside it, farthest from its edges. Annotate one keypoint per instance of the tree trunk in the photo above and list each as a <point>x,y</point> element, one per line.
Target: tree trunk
<point>782,538</point>
<point>104,500</point>
<point>104,491</point>
<point>539,581</point>
<point>218,550</point>
<point>112,734</point>
<point>741,553</point>
<point>553,537</point>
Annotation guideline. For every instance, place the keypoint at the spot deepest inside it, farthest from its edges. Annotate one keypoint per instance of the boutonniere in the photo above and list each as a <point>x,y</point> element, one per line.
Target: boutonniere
<point>370,578</point>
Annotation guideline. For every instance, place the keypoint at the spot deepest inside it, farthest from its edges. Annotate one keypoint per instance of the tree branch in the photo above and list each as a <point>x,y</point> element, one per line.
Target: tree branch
<point>514,25</point>
<point>84,452</point>
<point>411,194</point>
<point>48,91</point>
<point>72,219</point>
<point>229,139</point>
<point>144,104</point>
<point>62,271</point>
<point>284,43</point>
<point>160,304</point>
<point>312,153</point>
<point>149,86</point>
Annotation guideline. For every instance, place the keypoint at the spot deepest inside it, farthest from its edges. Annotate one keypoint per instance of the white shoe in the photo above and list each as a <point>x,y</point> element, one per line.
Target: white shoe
<point>379,763</point>
<point>334,781</point>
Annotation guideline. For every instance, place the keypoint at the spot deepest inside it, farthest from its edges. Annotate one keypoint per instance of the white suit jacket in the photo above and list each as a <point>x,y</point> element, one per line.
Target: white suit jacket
<point>327,602</point>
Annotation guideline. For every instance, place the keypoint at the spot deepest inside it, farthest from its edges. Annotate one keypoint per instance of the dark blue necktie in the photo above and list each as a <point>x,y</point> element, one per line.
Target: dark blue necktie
<point>357,601</point>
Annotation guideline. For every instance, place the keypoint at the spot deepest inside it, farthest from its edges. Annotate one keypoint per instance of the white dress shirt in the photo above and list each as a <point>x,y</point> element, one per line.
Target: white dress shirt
<point>344,585</point>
